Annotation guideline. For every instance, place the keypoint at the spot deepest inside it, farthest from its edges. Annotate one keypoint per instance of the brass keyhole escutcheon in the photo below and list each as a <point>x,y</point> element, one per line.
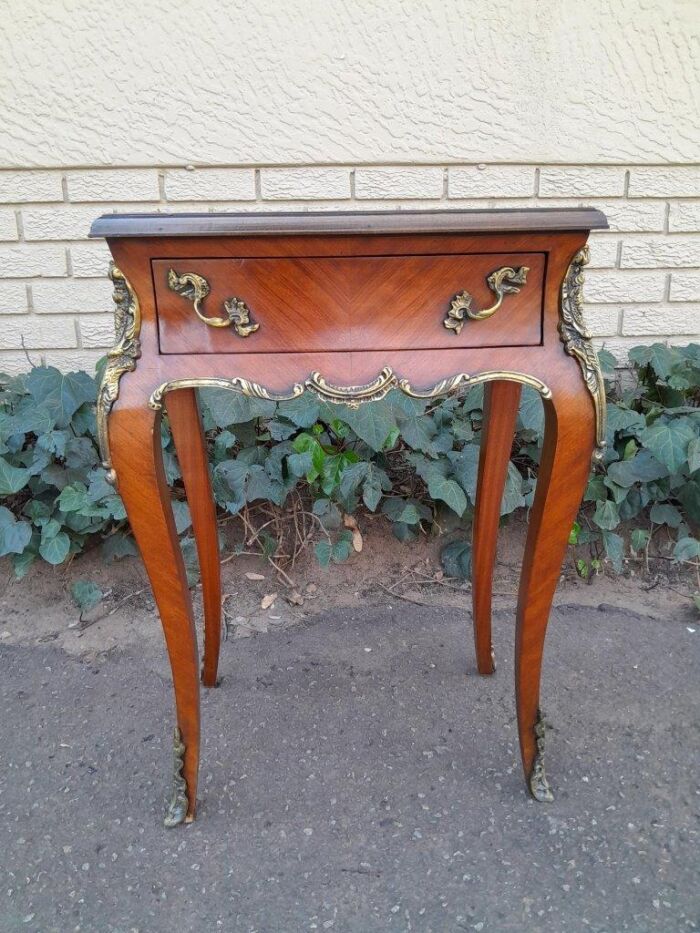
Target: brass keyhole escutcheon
<point>196,288</point>
<point>502,282</point>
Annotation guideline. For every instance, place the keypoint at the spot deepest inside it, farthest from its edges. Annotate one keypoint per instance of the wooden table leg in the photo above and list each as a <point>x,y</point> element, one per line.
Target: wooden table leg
<point>136,454</point>
<point>501,400</point>
<point>564,468</point>
<point>190,445</point>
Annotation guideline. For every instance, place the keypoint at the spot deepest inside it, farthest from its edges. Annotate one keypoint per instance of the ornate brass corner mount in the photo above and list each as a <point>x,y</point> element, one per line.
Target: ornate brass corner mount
<point>120,359</point>
<point>502,282</point>
<point>350,395</point>
<point>176,812</point>
<point>577,341</point>
<point>539,786</point>
<point>196,288</point>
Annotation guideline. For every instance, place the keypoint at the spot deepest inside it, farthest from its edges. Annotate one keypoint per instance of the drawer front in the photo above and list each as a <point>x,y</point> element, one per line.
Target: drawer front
<point>277,305</point>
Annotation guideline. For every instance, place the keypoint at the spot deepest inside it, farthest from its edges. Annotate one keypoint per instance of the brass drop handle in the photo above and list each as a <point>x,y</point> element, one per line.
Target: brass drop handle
<point>196,288</point>
<point>502,282</point>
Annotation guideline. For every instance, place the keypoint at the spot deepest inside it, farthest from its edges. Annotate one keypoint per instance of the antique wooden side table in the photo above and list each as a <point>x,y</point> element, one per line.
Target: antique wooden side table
<point>349,306</point>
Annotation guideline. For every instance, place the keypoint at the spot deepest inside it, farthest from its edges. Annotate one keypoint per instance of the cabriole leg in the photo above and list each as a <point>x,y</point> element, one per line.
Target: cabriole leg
<point>563,473</point>
<point>501,401</point>
<point>136,455</point>
<point>190,445</point>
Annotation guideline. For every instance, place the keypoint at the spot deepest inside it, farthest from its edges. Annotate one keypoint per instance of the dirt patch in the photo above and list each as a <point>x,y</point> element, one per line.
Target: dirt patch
<point>40,609</point>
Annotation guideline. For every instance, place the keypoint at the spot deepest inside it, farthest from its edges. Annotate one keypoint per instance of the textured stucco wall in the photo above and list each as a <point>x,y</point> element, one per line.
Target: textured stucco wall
<point>254,81</point>
<point>302,104</point>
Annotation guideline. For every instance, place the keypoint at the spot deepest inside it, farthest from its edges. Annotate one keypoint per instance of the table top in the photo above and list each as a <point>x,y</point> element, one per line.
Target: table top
<point>268,223</point>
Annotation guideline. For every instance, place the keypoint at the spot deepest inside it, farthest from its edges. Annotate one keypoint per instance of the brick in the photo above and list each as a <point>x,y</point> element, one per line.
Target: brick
<point>73,360</point>
<point>58,223</point>
<point>662,321</point>
<point>28,260</point>
<point>210,184</point>
<point>620,288</point>
<point>664,181</point>
<point>603,251</point>
<point>660,252</point>
<point>593,182</point>
<point>634,216</point>
<point>684,217</point>
<point>8,225</point>
<point>399,182</point>
<point>140,184</point>
<point>30,186</point>
<point>90,260</point>
<point>72,296</point>
<point>602,320</point>
<point>96,330</point>
<point>493,181</point>
<point>305,184</point>
<point>13,298</point>
<point>34,333</point>
<point>15,363</point>
<point>685,286</point>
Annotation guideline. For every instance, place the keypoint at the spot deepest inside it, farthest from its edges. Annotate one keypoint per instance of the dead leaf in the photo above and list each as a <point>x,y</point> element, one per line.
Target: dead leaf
<point>254,576</point>
<point>268,600</point>
<point>349,521</point>
<point>357,540</point>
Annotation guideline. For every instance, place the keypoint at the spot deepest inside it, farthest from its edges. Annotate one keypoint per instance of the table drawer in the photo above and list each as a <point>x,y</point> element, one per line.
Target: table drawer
<point>276,305</point>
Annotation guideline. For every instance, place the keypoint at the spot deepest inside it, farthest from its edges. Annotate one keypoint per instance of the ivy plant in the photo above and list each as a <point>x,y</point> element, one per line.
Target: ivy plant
<point>414,462</point>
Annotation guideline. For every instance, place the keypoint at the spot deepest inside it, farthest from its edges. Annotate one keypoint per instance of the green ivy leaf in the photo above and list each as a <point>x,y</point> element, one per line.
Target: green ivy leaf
<point>403,532</point>
<point>302,411</point>
<point>181,513</point>
<point>465,467</point>
<point>60,394</point>
<point>86,594</point>
<point>663,513</point>
<point>406,511</point>
<point>12,478</point>
<point>669,440</point>
<point>642,468</point>
<point>227,407</point>
<point>694,455</point>
<point>73,498</point>
<point>372,423</point>
<point>639,539</point>
<point>55,549</point>
<point>14,535</point>
<point>606,515</point>
<point>328,513</point>
<point>449,492</point>
<point>323,551</point>
<point>613,549</point>
<point>531,413</point>
<point>513,491</point>
<point>686,549</point>
<point>456,559</point>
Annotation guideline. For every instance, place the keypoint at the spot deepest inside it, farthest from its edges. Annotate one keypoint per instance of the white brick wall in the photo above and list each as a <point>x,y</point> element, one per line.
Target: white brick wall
<point>643,283</point>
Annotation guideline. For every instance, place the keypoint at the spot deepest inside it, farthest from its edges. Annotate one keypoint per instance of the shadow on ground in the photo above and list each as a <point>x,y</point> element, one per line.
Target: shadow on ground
<point>358,775</point>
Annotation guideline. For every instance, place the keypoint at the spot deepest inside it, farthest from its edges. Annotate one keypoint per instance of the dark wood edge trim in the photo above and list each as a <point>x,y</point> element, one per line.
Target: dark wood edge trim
<point>536,220</point>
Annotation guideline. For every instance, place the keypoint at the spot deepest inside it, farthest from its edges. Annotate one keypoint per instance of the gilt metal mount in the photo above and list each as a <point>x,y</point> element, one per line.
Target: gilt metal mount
<point>577,342</point>
<point>539,785</point>
<point>196,288</point>
<point>120,359</point>
<point>502,282</point>
<point>177,806</point>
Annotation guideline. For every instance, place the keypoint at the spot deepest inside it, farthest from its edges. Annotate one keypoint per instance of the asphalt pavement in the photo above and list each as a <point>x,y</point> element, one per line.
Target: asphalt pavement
<point>358,775</point>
